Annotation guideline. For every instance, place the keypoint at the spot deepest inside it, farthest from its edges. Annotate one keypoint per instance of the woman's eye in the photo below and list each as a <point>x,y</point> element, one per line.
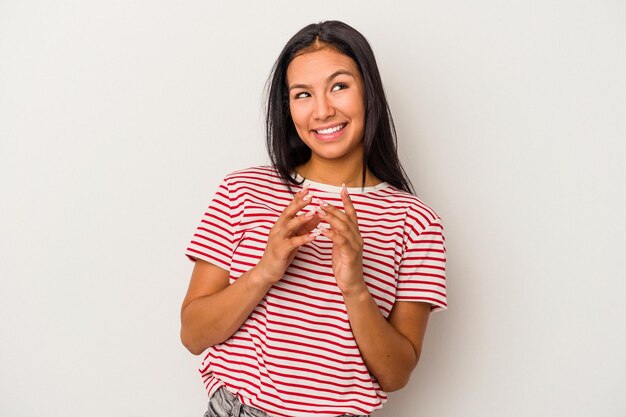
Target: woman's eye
<point>339,86</point>
<point>301,95</point>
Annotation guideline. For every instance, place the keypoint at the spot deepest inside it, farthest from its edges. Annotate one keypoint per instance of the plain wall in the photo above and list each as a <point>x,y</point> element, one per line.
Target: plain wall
<point>118,119</point>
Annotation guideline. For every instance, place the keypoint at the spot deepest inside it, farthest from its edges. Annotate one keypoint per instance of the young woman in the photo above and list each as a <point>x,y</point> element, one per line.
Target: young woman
<point>314,277</point>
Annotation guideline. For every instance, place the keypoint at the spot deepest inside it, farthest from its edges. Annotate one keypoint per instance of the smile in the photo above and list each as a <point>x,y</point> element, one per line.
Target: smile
<point>330,130</point>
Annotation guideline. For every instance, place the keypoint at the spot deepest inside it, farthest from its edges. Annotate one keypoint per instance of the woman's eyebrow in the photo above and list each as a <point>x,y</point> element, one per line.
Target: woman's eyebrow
<point>333,75</point>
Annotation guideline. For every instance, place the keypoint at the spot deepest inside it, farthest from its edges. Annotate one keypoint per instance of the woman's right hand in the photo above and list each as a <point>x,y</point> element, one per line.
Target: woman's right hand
<point>213,309</point>
<point>288,233</point>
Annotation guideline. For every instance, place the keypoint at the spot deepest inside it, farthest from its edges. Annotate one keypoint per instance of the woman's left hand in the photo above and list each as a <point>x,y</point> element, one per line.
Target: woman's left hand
<point>347,244</point>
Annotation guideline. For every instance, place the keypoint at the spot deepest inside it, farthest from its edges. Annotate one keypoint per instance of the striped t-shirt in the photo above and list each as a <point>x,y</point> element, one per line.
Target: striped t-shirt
<point>296,355</point>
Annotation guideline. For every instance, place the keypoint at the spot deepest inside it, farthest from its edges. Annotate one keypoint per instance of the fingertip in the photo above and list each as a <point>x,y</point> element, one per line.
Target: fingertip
<point>344,191</point>
<point>308,196</point>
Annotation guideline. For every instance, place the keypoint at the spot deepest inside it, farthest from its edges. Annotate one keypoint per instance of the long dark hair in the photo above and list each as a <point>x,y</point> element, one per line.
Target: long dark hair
<point>287,151</point>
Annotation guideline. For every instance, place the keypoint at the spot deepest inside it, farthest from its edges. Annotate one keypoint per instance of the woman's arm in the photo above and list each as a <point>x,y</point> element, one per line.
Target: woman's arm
<point>213,310</point>
<point>390,348</point>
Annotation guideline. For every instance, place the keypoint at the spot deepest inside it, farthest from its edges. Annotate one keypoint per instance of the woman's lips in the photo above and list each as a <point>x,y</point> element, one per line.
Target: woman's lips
<point>330,133</point>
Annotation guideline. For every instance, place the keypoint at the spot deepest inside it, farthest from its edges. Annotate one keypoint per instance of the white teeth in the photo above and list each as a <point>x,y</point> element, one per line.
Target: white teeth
<point>330,130</point>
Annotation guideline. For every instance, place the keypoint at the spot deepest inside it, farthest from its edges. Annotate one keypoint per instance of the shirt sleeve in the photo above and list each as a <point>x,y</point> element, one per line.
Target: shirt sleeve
<point>422,272</point>
<point>213,240</point>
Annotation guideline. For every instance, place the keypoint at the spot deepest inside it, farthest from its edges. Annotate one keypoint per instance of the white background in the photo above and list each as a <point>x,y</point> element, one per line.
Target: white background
<point>118,119</point>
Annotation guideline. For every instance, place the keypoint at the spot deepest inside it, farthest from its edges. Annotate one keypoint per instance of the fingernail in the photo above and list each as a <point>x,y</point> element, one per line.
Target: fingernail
<point>314,234</point>
<point>309,214</point>
<point>321,212</point>
<point>323,203</point>
<point>307,197</point>
<point>343,188</point>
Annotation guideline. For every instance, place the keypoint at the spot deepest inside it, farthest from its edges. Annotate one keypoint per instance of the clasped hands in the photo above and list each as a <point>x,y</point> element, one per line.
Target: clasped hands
<point>292,231</point>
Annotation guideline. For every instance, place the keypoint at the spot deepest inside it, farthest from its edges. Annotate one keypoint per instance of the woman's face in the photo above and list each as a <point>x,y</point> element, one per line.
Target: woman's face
<point>327,104</point>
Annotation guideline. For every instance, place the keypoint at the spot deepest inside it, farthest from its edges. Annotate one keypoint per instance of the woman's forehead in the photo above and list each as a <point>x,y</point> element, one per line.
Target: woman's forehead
<point>320,64</point>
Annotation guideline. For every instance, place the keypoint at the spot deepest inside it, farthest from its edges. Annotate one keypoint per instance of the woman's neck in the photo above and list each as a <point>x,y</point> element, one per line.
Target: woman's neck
<point>336,174</point>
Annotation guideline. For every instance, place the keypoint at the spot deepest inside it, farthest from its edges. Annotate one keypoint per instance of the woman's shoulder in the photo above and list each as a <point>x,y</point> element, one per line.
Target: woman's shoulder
<point>260,170</point>
<point>257,173</point>
<point>412,204</point>
<point>263,178</point>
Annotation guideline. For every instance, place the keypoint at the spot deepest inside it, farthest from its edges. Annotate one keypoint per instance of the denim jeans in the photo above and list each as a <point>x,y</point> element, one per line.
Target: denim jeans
<point>225,404</point>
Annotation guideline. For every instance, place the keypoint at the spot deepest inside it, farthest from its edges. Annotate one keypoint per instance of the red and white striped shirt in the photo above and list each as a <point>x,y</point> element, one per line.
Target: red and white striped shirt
<point>296,355</point>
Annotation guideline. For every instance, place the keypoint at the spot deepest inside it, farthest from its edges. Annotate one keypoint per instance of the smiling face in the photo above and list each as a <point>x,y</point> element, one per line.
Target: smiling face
<point>327,104</point>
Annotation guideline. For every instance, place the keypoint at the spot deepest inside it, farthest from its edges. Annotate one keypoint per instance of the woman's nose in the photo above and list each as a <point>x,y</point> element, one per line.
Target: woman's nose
<point>323,108</point>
